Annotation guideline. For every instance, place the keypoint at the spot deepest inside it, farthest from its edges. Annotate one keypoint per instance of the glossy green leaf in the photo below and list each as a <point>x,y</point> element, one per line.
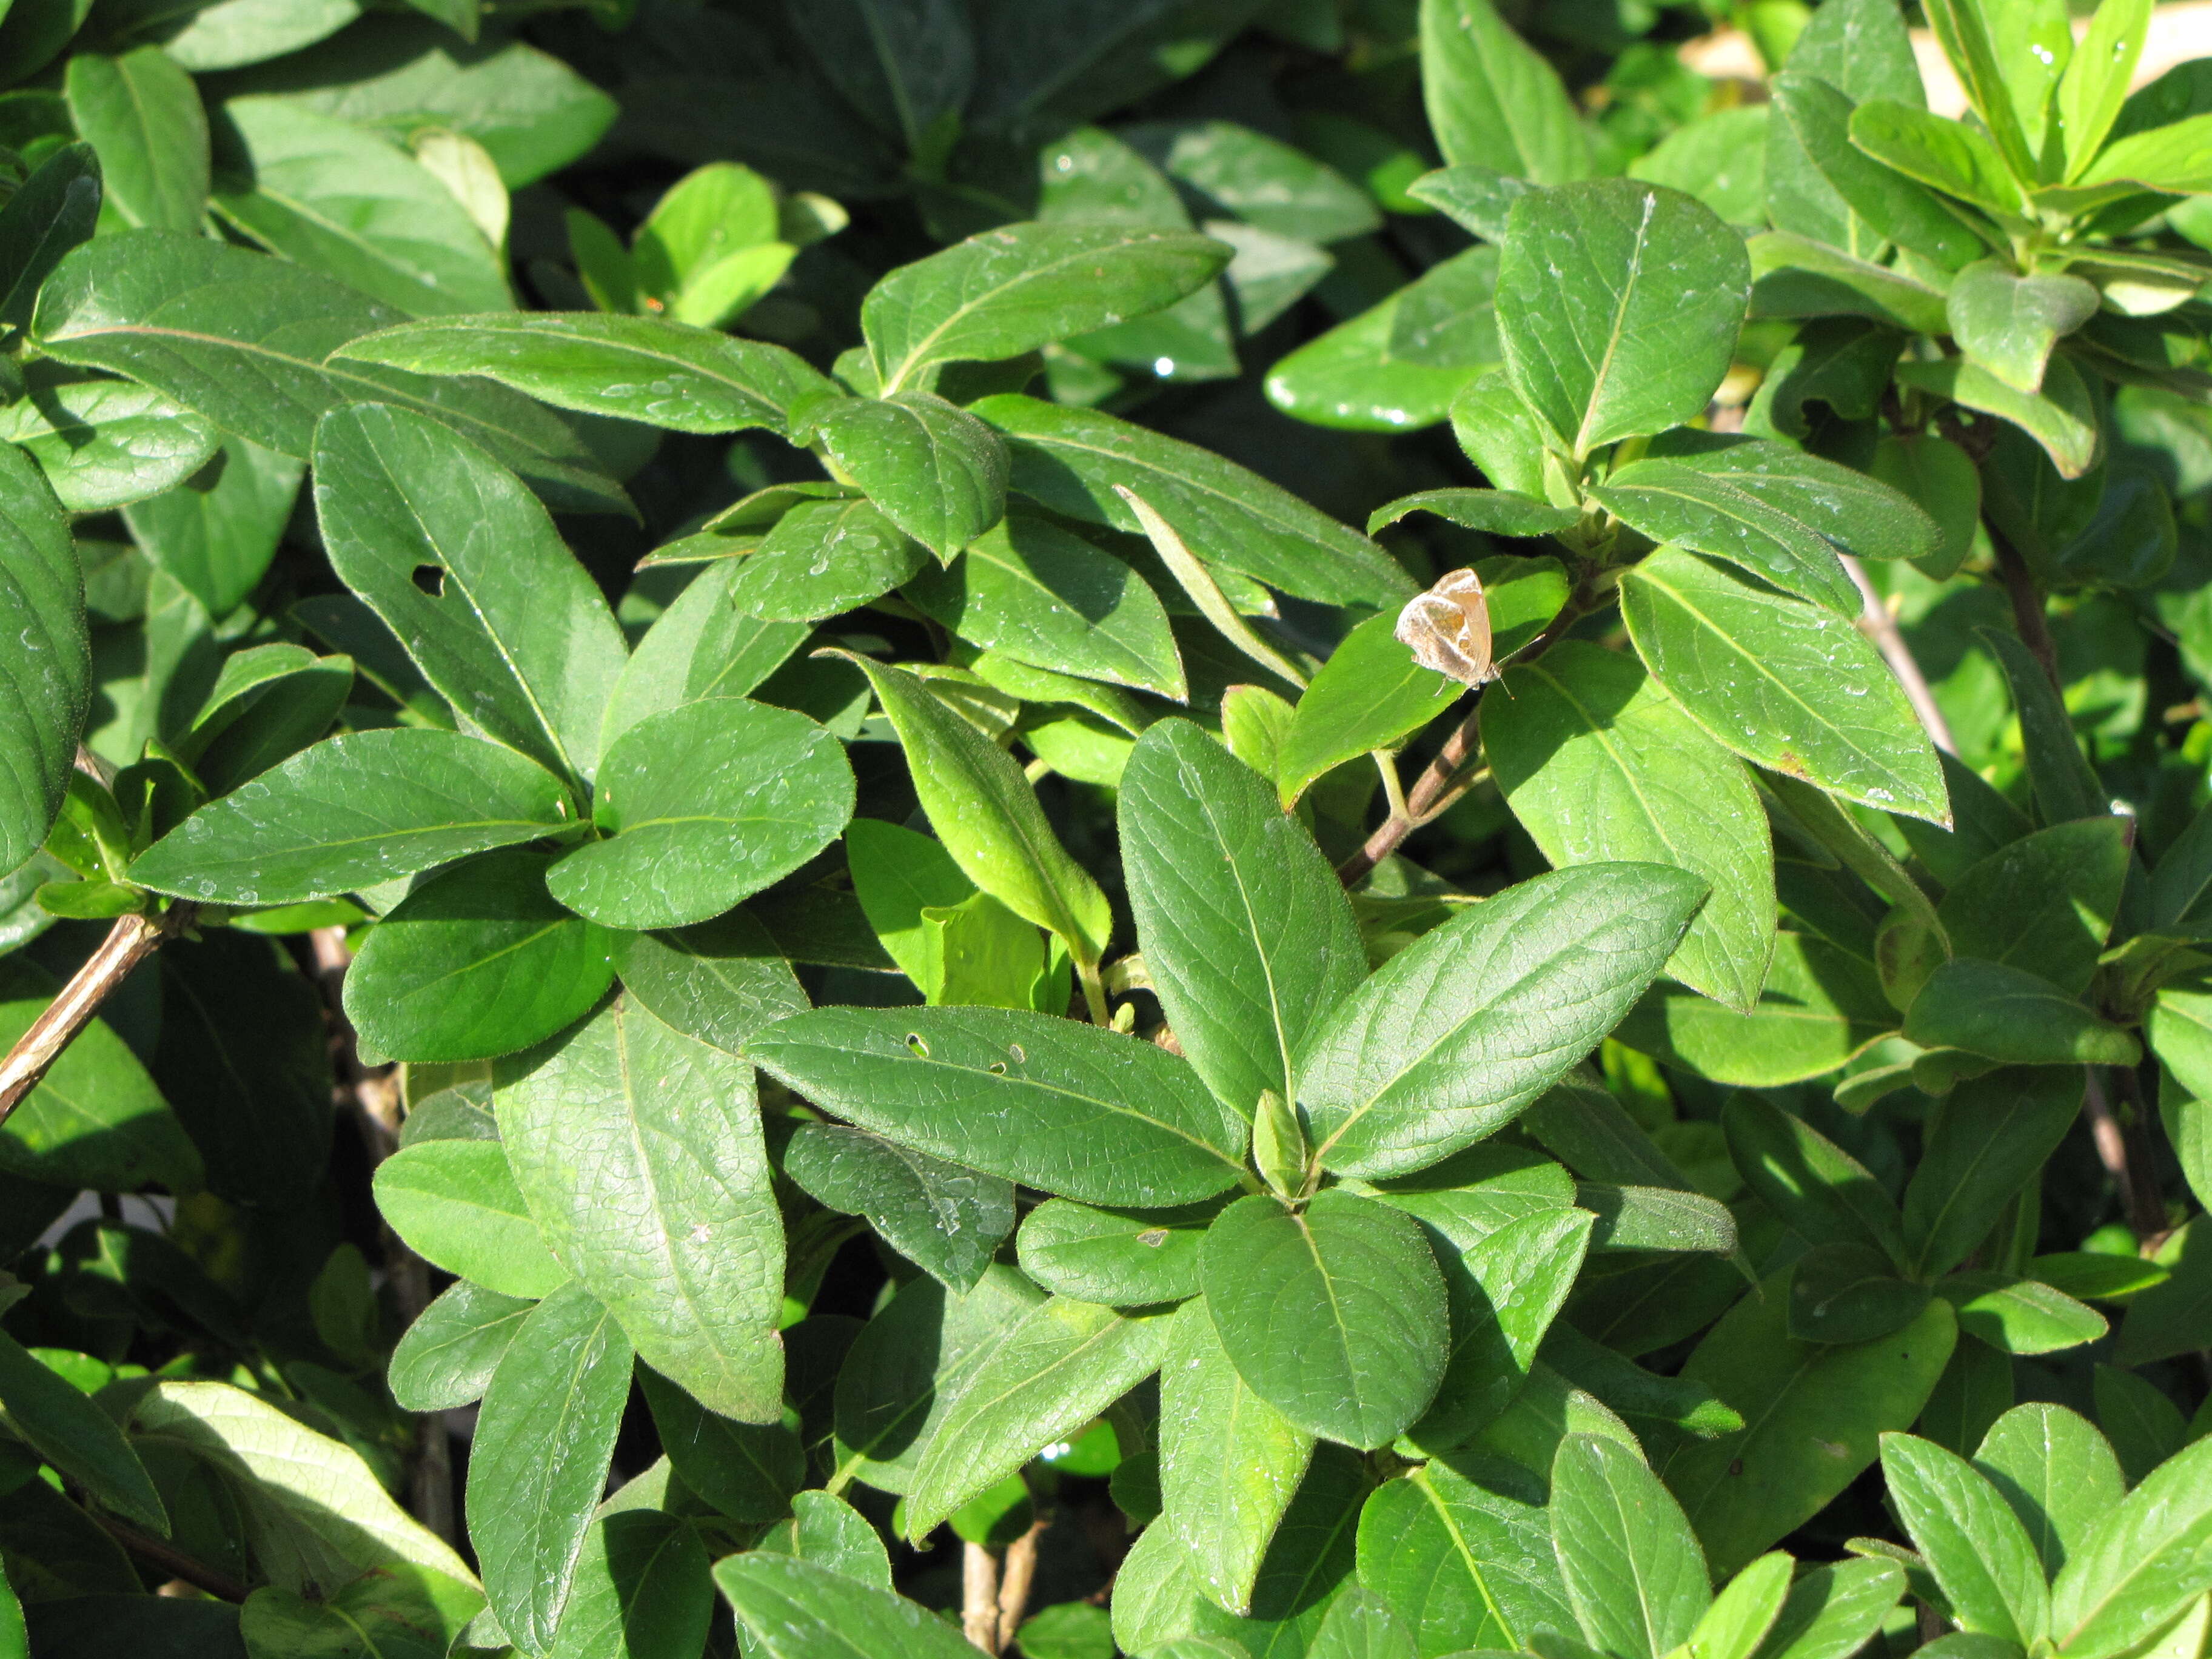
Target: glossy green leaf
<point>2020,1315</point>
<point>1462,1029</point>
<point>2008,323</point>
<point>2045,902</point>
<point>2061,416</point>
<point>456,1203</point>
<point>2011,1015</point>
<point>2171,158</point>
<point>446,1358</point>
<point>1831,1611</point>
<point>641,1591</point>
<point>987,817</point>
<point>1230,1462</point>
<point>1063,1363</point>
<point>2141,1565</point>
<point>504,621</point>
<point>747,1471</point>
<point>1821,1007</point>
<point>1248,938</point>
<point>823,558</point>
<point>1618,304</point>
<point>1335,1315</point>
<point>1632,1568</point>
<point>218,531</point>
<point>1599,764</point>
<point>354,810</point>
<point>639,1152</point>
<point>1812,1413</point>
<point>1370,694</point>
<point>1071,460</point>
<point>478,961</point>
<point>827,1530</point>
<point>538,1460</point>
<point>2066,785</point>
<point>790,1609</point>
<point>1897,208</point>
<point>638,368</point>
<point>63,1425</point>
<point>944,1218</point>
<point>1462,1548</point>
<point>1795,275</point>
<point>1045,1101</point>
<point>101,442</point>
<point>704,645</point>
<point>1956,159</point>
<point>1789,686</point>
<point>141,111</point>
<point>1123,1258</point>
<point>1970,1538</point>
<point>1494,101</point>
<point>933,469</point>
<point>2145,1425</point>
<point>1031,591</point>
<point>48,679</point>
<point>1400,364</point>
<point>380,1615</point>
<point>354,205</point>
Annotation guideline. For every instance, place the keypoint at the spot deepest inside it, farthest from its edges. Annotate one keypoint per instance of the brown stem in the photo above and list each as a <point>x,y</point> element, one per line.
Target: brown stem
<point>130,942</point>
<point>1016,1578</point>
<point>979,1596</point>
<point>2026,605</point>
<point>169,1558</point>
<point>2125,1152</point>
<point>1880,626</point>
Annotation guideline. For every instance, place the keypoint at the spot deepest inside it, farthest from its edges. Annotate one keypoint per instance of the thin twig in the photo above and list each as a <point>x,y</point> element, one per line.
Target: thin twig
<point>979,1596</point>
<point>1015,1576</point>
<point>1880,626</point>
<point>2147,1216</point>
<point>2126,1158</point>
<point>130,942</point>
<point>2026,605</point>
<point>173,1561</point>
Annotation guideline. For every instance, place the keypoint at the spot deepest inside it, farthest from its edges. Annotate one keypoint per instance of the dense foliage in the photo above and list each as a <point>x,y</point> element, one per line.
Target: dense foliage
<point>732,920</point>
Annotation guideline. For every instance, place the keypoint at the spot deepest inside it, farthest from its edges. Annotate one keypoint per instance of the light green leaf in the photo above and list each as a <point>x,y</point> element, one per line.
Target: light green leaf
<point>1335,1315</point>
<point>1631,1566</point>
<point>2008,323</point>
<point>45,681</point>
<point>639,1152</point>
<point>1061,1365</point>
<point>505,622</point>
<point>2146,1560</point>
<point>141,113</point>
<point>641,1591</point>
<point>103,442</point>
<point>1798,277</point>
<point>1600,764</point>
<point>704,805</point>
<point>820,558</point>
<point>538,1460</point>
<point>1462,1548</point>
<point>1400,364</point>
<point>218,531</point>
<point>1046,1102</point>
<point>446,1358</point>
<point>2045,902</point>
<point>1744,1611</point>
<point>1619,305</point>
<point>789,1609</point>
<point>1465,1027</point>
<point>1895,209</point>
<point>1493,100</point>
<point>1831,1611</point>
<point>1370,694</point>
<point>95,1119</point>
<point>932,468</point>
<point>827,1530</point>
<point>1247,935</point>
<point>2175,158</point>
<point>1971,1539</point>
<point>456,1203</point>
<point>2018,1315</point>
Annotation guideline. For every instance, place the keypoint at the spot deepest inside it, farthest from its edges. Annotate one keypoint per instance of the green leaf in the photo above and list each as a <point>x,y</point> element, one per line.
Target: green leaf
<point>2145,1424</point>
<point>1248,938</point>
<point>381,1615</point>
<point>504,621</point>
<point>141,113</point>
<point>1970,1538</point>
<point>704,805</point>
<point>54,210</point>
<point>1815,1413</point>
<point>1031,591</point>
<point>478,961</point>
<point>1400,364</point>
<point>447,1357</point>
<point>1781,515</point>
<point>1656,1218</point>
<point>538,1460</point>
<point>1982,1143</point>
<point>1370,694</point>
<point>2143,1564</point>
<point>243,340</point>
<point>1831,1611</point>
<point>1230,1462</point>
<point>44,682</point>
<point>2066,785</point>
<point>1631,1566</point>
<point>1821,1007</point>
<point>2170,158</point>
<point>102,442</point>
<point>1824,1194</point>
<point>352,811</point>
<point>823,558</point>
<point>354,205</point>
<point>1262,181</point>
<point>985,814</point>
<point>1123,1258</point>
<point>747,1471</point>
<point>639,1151</point>
<point>829,1532</point>
<point>218,531</point>
<point>1063,1365</point>
<point>1071,1109</point>
<point>1493,100</point>
<point>1465,1027</point>
<point>2008,323</point>
<point>944,1219</point>
<point>1011,290</point>
<point>2045,902</point>
<point>1797,276</point>
<point>641,1591</point>
<point>1335,1316</point>
<point>2011,1015</point>
<point>1360,1624</point>
<point>2018,1315</point>
<point>1942,478</point>
<point>1896,209</point>
<point>704,645</point>
<point>638,368</point>
<point>906,67</point>
<point>1948,156</point>
<point>1736,1623</point>
<point>2061,416</point>
<point>1599,764</point>
<point>1462,1548</point>
<point>1071,460</point>
<point>1666,1405</point>
<point>1720,159</point>
<point>1618,304</point>
<point>789,1609</point>
<point>1503,1288</point>
<point>1789,686</point>
<point>65,1428</point>
<point>456,1203</point>
<point>933,469</point>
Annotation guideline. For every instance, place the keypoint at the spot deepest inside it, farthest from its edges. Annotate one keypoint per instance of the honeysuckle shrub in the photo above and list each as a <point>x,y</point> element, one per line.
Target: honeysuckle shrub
<point>1207,828</point>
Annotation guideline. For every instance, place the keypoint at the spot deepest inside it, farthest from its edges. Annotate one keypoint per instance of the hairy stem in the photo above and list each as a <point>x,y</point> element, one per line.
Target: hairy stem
<point>1876,623</point>
<point>130,942</point>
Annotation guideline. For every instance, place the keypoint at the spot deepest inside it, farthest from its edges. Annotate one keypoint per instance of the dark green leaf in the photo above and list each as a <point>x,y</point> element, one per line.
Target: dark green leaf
<point>1851,1293</point>
<point>1463,1549</point>
<point>933,469</point>
<point>828,1531</point>
<point>1896,209</point>
<point>946,1219</point>
<point>2146,1428</point>
<point>1400,364</point>
<point>1987,1139</point>
<point>1824,1194</point>
<point>1831,1611</point>
<point>54,210</point>
<point>2008,323</point>
<point>103,442</point>
<point>1797,276</point>
<point>2066,786</point>
<point>822,557</point>
<point>2011,1015</point>
<point>47,679</point>
<point>748,1471</point>
<point>719,981</point>
<point>2062,417</point>
<point>65,1428</point>
<point>641,1591</point>
<point>216,532</point>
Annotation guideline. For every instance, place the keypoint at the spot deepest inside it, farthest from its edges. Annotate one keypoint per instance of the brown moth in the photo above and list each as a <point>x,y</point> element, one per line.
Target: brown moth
<point>1448,629</point>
